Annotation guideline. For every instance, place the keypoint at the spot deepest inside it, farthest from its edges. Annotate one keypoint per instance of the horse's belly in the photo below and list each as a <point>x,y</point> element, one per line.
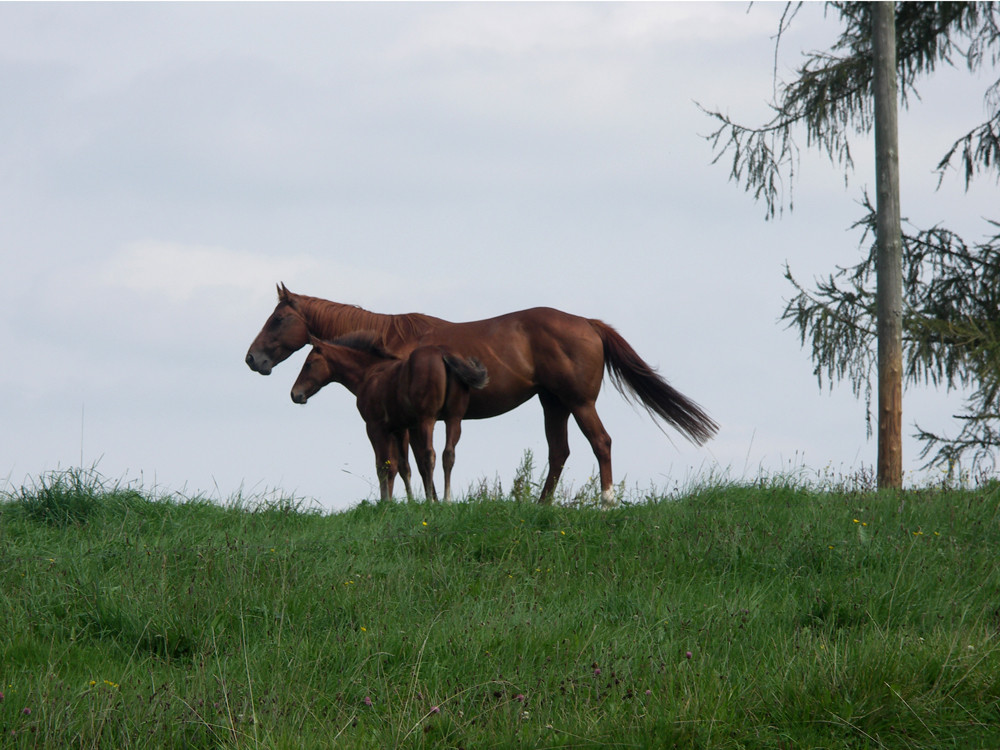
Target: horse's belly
<point>490,402</point>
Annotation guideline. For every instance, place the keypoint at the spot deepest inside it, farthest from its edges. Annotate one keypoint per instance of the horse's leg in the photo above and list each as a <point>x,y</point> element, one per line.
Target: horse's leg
<point>453,431</point>
<point>404,463</point>
<point>423,450</point>
<point>386,462</point>
<point>590,424</point>
<point>557,435</point>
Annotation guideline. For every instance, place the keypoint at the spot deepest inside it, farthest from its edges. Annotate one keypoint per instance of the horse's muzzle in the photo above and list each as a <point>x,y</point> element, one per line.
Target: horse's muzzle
<point>263,367</point>
<point>299,398</point>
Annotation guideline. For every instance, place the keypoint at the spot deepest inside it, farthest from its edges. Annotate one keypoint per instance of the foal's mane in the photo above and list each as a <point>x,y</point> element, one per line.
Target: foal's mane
<point>329,320</point>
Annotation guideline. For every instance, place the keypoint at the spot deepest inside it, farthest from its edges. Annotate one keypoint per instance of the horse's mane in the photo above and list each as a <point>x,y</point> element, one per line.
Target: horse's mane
<point>329,320</point>
<point>364,341</point>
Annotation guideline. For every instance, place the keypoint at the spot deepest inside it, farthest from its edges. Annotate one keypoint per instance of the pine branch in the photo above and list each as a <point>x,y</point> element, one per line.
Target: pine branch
<point>951,329</point>
<point>831,95</point>
<point>980,150</point>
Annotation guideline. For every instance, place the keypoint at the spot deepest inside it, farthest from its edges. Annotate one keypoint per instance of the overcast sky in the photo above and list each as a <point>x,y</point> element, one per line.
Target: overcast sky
<point>163,166</point>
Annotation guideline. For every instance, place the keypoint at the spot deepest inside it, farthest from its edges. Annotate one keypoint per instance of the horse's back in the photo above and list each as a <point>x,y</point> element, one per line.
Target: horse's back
<point>514,335</point>
<point>525,352</point>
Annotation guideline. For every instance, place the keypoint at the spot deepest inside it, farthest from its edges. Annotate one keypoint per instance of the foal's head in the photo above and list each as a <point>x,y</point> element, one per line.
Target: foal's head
<point>315,373</point>
<point>331,361</point>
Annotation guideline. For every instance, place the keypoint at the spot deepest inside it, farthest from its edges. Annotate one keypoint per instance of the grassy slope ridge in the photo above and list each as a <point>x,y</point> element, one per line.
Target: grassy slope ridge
<point>735,617</point>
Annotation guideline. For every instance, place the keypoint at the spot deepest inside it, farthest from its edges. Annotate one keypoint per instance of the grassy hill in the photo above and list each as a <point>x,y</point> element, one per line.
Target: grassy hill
<point>733,617</point>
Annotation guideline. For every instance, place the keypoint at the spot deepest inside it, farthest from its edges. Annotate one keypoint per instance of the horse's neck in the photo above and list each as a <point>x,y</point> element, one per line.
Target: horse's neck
<point>328,320</point>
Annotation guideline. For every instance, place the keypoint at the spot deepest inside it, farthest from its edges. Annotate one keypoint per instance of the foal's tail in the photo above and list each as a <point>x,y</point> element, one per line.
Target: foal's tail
<point>470,371</point>
<point>636,380</point>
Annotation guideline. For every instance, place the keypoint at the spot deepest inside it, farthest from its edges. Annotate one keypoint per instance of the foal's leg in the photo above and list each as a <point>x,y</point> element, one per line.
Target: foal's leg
<point>557,435</point>
<point>600,441</point>
<point>386,462</point>
<point>404,463</point>
<point>401,445</point>
<point>422,439</point>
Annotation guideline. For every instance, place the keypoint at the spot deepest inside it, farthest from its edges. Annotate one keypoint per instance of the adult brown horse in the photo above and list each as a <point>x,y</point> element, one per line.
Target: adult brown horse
<point>397,397</point>
<point>559,357</point>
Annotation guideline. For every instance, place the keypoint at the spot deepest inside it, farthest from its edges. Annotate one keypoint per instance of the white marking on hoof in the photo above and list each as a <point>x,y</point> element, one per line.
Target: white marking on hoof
<point>608,498</point>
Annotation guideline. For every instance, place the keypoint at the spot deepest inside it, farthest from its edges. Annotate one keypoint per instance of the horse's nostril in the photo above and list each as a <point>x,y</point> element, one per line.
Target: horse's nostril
<point>249,361</point>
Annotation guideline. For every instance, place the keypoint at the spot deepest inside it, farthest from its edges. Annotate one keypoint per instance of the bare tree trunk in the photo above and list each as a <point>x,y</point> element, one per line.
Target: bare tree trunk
<point>888,237</point>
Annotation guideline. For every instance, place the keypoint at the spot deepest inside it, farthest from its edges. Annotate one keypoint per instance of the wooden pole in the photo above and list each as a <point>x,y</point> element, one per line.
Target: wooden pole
<point>888,238</point>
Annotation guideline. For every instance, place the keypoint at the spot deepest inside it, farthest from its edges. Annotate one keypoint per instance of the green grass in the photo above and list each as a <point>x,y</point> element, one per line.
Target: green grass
<point>767,616</point>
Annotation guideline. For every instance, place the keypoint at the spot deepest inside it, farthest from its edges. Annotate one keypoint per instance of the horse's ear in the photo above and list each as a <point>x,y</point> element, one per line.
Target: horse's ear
<point>283,293</point>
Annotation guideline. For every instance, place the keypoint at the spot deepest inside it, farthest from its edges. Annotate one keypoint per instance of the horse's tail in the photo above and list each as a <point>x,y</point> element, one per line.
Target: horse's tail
<point>470,371</point>
<point>637,381</point>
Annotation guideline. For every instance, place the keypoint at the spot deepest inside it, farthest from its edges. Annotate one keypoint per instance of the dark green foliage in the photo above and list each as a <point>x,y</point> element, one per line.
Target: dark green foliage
<point>951,331</point>
<point>832,96</point>
<point>72,497</point>
<point>950,321</point>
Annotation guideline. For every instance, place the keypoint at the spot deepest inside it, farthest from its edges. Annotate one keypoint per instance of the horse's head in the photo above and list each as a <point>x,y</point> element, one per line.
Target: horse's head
<point>315,373</point>
<point>283,333</point>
